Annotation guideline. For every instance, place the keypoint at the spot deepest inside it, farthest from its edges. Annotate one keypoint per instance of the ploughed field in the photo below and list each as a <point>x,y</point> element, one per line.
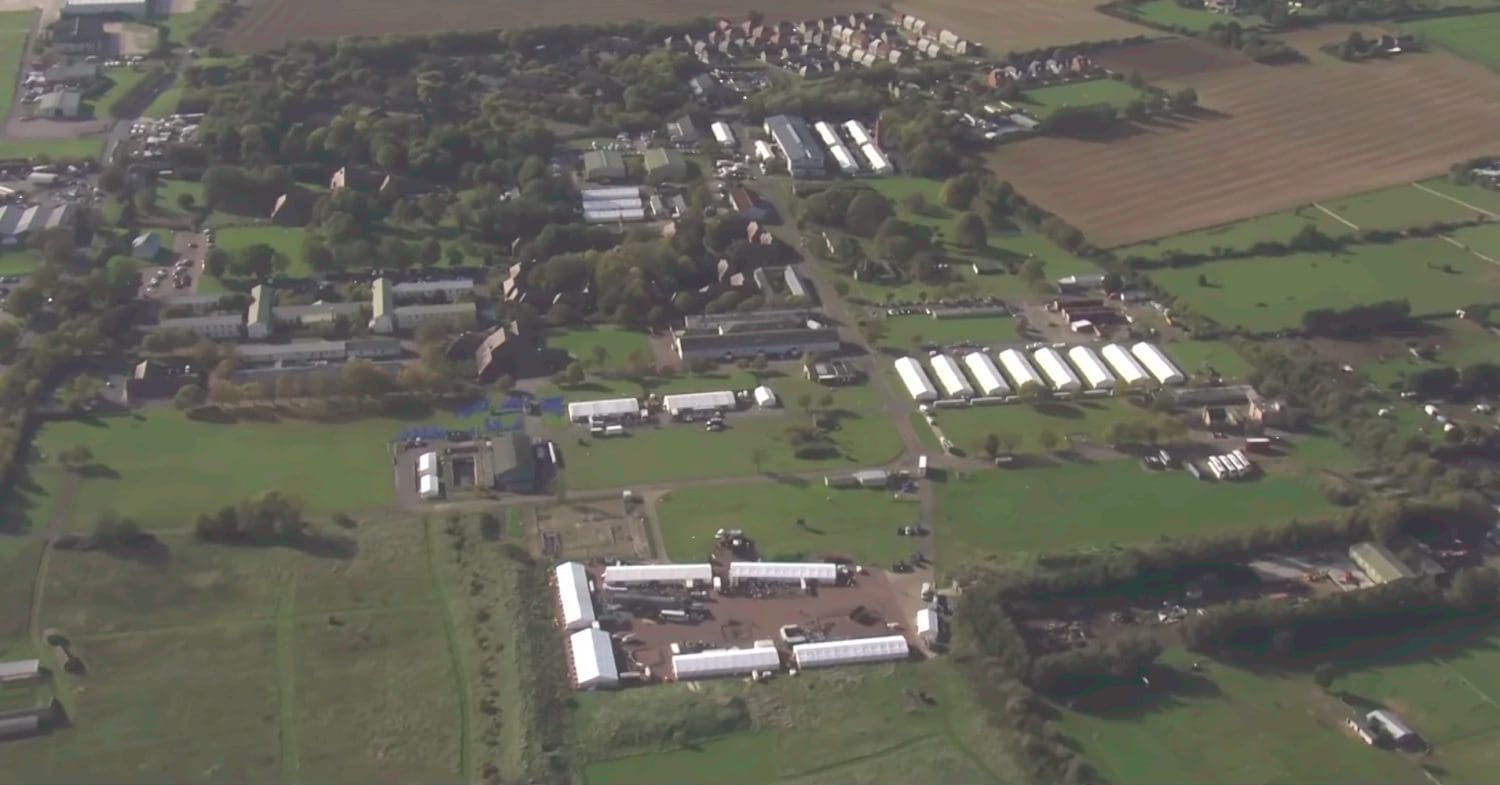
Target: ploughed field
<point>1266,138</point>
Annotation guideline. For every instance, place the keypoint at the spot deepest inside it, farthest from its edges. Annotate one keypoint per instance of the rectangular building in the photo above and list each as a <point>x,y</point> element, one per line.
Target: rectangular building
<point>684,403</point>
<point>715,345</point>
<point>602,166</point>
<point>851,652</point>
<point>663,165</point>
<point>725,662</point>
<point>783,572</point>
<point>624,574</point>
<point>1379,563</point>
<point>593,656</point>
<point>140,9</point>
<point>258,320</point>
<point>797,145</point>
<point>409,317</point>
<point>573,595</point>
<point>216,327</point>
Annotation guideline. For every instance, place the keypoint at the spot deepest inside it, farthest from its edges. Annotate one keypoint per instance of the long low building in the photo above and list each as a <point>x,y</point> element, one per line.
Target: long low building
<point>573,594</point>
<point>916,380</point>
<point>1021,372</point>
<point>851,652</point>
<point>1123,362</point>
<point>213,327</point>
<point>1059,375</point>
<point>581,411</point>
<point>314,351</point>
<point>1157,364</point>
<point>20,671</point>
<point>783,572</point>
<point>1095,375</point>
<point>593,655</point>
<point>624,574</point>
<point>733,345</point>
<point>951,376</point>
<point>986,375</point>
<point>684,403</point>
<point>725,662</point>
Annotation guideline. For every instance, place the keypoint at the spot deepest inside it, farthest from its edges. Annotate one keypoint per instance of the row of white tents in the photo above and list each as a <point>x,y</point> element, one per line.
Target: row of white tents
<point>428,486</point>
<point>764,657</point>
<point>1082,368</point>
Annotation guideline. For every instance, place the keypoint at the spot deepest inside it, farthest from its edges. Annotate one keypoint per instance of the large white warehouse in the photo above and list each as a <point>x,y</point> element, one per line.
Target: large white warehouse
<point>573,592</point>
<point>1059,375</point>
<point>783,572</point>
<point>916,380</point>
<point>857,132</point>
<point>848,652</point>
<point>951,376</point>
<point>1124,365</point>
<point>985,374</point>
<point>1095,375</point>
<point>581,411</point>
<point>593,659</point>
<point>725,662</point>
<point>622,574</point>
<point>841,154</point>
<point>1157,363</point>
<point>1019,368</point>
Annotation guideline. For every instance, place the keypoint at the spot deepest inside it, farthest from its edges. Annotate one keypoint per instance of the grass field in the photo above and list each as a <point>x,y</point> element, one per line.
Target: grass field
<point>13,28</point>
<point>1096,505</point>
<point>165,102</point>
<point>1168,12</point>
<point>1046,100</point>
<point>1084,421</point>
<point>855,522</point>
<point>618,343</point>
<point>19,262</point>
<point>122,81</point>
<point>67,149</point>
<point>1271,293</point>
<point>1197,358</point>
<point>903,333</point>
<point>1472,37</point>
<point>286,240</point>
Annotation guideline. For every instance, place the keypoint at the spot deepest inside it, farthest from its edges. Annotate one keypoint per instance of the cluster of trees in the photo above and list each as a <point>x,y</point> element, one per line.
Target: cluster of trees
<point>1146,432</point>
<point>1308,239</point>
<point>1257,46</point>
<point>928,142</point>
<point>1474,380</point>
<point>850,93</point>
<point>998,204</point>
<point>1356,320</point>
<point>271,519</point>
<point>111,534</point>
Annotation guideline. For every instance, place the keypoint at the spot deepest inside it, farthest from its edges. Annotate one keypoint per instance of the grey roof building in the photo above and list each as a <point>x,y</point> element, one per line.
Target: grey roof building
<point>797,287</point>
<point>513,461</point>
<point>795,141</point>
<point>684,131</point>
<point>603,166</point>
<point>663,164</point>
<point>60,105</point>
<point>715,345</point>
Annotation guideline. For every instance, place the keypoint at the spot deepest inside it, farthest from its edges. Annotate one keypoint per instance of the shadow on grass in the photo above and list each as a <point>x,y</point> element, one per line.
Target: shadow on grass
<point>1169,688</point>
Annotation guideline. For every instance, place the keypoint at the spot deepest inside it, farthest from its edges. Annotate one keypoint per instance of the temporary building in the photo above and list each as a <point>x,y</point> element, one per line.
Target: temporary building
<point>765,397</point>
<point>1157,363</point>
<point>1059,375</point>
<point>610,194</point>
<point>763,151</point>
<point>581,411</point>
<point>427,463</point>
<point>927,625</point>
<point>951,377</point>
<point>1392,725</point>
<point>19,671</point>
<point>1019,368</point>
<point>593,659</point>
<point>428,487</point>
<point>1124,364</point>
<point>698,402</point>
<point>723,134</point>
<point>724,662</point>
<point>1095,375</point>
<point>785,572</point>
<point>985,374</point>
<point>850,652</point>
<point>916,380</point>
<point>620,574</point>
<point>573,593</point>
<point>877,161</point>
<point>841,154</point>
<point>872,478</point>
<point>857,132</point>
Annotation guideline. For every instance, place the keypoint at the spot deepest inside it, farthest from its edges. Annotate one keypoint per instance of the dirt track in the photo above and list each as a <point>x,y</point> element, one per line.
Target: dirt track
<point>1270,138</point>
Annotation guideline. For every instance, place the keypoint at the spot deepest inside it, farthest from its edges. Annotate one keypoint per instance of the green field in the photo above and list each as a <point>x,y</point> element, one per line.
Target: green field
<point>1458,343</point>
<point>122,81</point>
<point>69,149</point>
<point>1083,421</point>
<point>1480,197</point>
<point>285,240</point>
<point>1168,12</point>
<point>1271,293</point>
<point>1043,101</point>
<point>19,262</point>
<point>1096,505</point>
<point>1472,36</point>
<point>905,333</point>
<point>165,102</point>
<point>618,343</point>
<point>856,522</point>
<point>13,28</point>
<point>1196,358</point>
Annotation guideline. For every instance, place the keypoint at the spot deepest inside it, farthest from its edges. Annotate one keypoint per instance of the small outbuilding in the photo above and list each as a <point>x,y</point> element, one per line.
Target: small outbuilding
<point>20,671</point>
<point>927,626</point>
<point>765,397</point>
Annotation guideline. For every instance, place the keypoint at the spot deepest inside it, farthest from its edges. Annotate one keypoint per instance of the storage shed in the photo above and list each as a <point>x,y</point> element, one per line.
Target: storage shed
<point>916,381</point>
<point>927,626</point>
<point>1157,364</point>
<point>698,402</point>
<point>724,662</point>
<point>765,397</point>
<point>581,411</point>
<point>20,671</point>
<point>622,574</point>
<point>573,595</point>
<point>1059,375</point>
<point>427,463</point>
<point>1130,372</point>
<point>986,375</point>
<point>428,486</point>
<point>1020,369</point>
<point>782,572</point>
<point>850,652</point>
<point>1095,375</point>
<point>951,377</point>
<point>1393,727</point>
<point>593,657</point>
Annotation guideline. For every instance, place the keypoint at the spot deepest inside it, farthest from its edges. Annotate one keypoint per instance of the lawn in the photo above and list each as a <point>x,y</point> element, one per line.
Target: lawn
<point>1459,343</point>
<point>1168,12</point>
<point>13,28</point>
<point>1471,36</point>
<point>1043,101</point>
<point>285,240</point>
<point>121,82</point>
<point>66,149</point>
<point>19,262</point>
<point>1096,505</point>
<point>618,343</point>
<point>855,522</point>
<point>905,333</point>
<point>1272,293</point>
<point>1084,420</point>
<point>1483,198</point>
<point>1196,358</point>
<point>165,102</point>
<point>1399,208</point>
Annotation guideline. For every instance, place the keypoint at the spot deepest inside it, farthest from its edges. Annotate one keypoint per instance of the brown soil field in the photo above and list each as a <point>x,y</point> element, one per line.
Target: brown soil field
<point>272,23</point>
<point>1267,138</point>
<point>1019,25</point>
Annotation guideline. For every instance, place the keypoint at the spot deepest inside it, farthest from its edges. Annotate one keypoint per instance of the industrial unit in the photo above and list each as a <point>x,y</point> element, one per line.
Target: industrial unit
<point>1059,375</point>
<point>573,594</point>
<point>725,662</point>
<point>825,654</point>
<point>784,572</point>
<point>986,375</point>
<point>951,376</point>
<point>841,154</point>
<point>686,574</point>
<point>608,408</point>
<point>1095,375</point>
<point>1119,358</point>
<point>593,656</point>
<point>1019,368</point>
<point>916,381</point>
<point>804,158</point>
<point>1157,364</point>
<point>684,403</point>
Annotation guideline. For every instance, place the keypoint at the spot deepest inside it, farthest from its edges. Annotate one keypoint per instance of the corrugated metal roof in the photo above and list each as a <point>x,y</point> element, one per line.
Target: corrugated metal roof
<point>725,662</point>
<point>573,593</point>
<point>847,652</point>
<point>593,659</point>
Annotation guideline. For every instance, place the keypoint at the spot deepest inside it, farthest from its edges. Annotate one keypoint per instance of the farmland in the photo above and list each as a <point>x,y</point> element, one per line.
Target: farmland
<point>1163,180</point>
<point>1472,37</point>
<point>1021,25</point>
<point>1169,13</point>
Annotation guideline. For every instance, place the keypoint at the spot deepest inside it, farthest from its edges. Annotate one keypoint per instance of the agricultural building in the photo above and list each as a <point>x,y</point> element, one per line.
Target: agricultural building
<point>725,662</point>
<point>927,626</point>
<point>623,574</point>
<point>951,377</point>
<point>1124,365</point>
<point>1400,734</point>
<point>783,572</point>
<point>916,381</point>
<point>608,408</point>
<point>593,656</point>
<point>795,141</point>
<point>986,375</point>
<point>1059,375</point>
<point>665,165</point>
<point>1095,375</point>
<point>139,9</point>
<point>1019,369</point>
<point>603,166</point>
<point>573,594</point>
<point>686,403</point>
<point>1379,563</point>
<point>850,652</point>
<point>513,462</point>
<point>20,671</point>
<point>1157,364</point>
<point>841,155</point>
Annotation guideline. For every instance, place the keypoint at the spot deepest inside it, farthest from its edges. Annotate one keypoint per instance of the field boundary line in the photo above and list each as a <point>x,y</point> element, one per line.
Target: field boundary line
<point>1456,200</point>
<point>455,657</point>
<point>1484,696</point>
<point>286,683</point>
<point>865,757</point>
<point>1456,244</point>
<point>248,621</point>
<point>1335,216</point>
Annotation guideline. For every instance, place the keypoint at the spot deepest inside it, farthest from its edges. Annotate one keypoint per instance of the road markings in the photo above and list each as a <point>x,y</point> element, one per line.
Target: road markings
<point>1456,200</point>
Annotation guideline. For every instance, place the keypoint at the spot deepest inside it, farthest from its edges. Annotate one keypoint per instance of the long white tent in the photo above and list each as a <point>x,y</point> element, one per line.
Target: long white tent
<point>985,374</point>
<point>1020,369</point>
<point>1124,364</point>
<point>841,154</point>
<point>927,625</point>
<point>581,411</point>
<point>824,572</point>
<point>573,593</point>
<point>951,376</point>
<point>698,402</point>
<point>427,463</point>
<point>849,652</point>
<point>593,659</point>
<point>725,662</point>
<point>916,380</point>
<point>621,574</point>
<point>1059,375</point>
<point>1095,375</point>
<point>611,193</point>
<point>1157,363</point>
<point>428,486</point>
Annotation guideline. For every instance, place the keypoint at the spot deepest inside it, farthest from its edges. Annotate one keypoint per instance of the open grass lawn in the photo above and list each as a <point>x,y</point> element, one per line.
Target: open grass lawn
<point>1197,358</point>
<point>848,725</point>
<point>1271,293</point>
<point>1484,239</point>
<point>19,262</point>
<point>1459,343</point>
<point>180,27</point>
<point>285,239</point>
<point>1005,513</point>
<point>67,149</point>
<point>1472,37</point>
<point>18,561</point>
<point>1168,12</point>
<point>618,343</point>
<point>908,333</point>
<point>1277,227</point>
<point>164,469</point>
<point>856,522</point>
<point>13,28</point>
<point>1083,420</point>
<point>165,102</point>
<point>1043,101</point>
<point>1398,208</point>
<point>121,81</point>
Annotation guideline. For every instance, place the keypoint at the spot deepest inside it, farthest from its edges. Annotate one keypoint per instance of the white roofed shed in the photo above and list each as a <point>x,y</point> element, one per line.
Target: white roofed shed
<point>765,397</point>
<point>573,594</point>
<point>927,625</point>
<point>916,380</point>
<point>1095,375</point>
<point>1124,364</point>
<point>785,572</point>
<point>1157,363</point>
<point>428,486</point>
<point>1059,375</point>
<point>951,376</point>
<point>986,375</point>
<point>1019,368</point>
<point>851,652</point>
<point>724,662</point>
<point>620,574</point>
<point>593,659</point>
<point>698,402</point>
<point>580,411</point>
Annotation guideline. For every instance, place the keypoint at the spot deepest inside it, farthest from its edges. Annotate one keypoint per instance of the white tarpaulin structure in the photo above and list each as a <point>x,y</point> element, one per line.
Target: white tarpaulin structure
<point>698,402</point>
<point>1019,368</point>
<point>428,486</point>
<point>916,380</point>
<point>580,411</point>
<point>593,659</point>
<point>927,625</point>
<point>621,574</point>
<point>573,593</point>
<point>724,662</point>
<point>1157,363</point>
<point>824,572</point>
<point>765,397</point>
<point>1124,364</point>
<point>951,376</point>
<point>988,377</point>
<point>1095,375</point>
<point>850,652</point>
<point>1059,375</point>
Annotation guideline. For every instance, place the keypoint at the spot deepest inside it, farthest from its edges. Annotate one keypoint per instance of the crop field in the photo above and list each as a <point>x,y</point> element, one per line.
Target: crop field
<point>1046,100</point>
<point>1094,505</point>
<point>1256,146</point>
<point>856,522</point>
<point>1271,293</point>
<point>1471,37</point>
<point>273,23</point>
<point>1021,25</point>
<point>13,28</point>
